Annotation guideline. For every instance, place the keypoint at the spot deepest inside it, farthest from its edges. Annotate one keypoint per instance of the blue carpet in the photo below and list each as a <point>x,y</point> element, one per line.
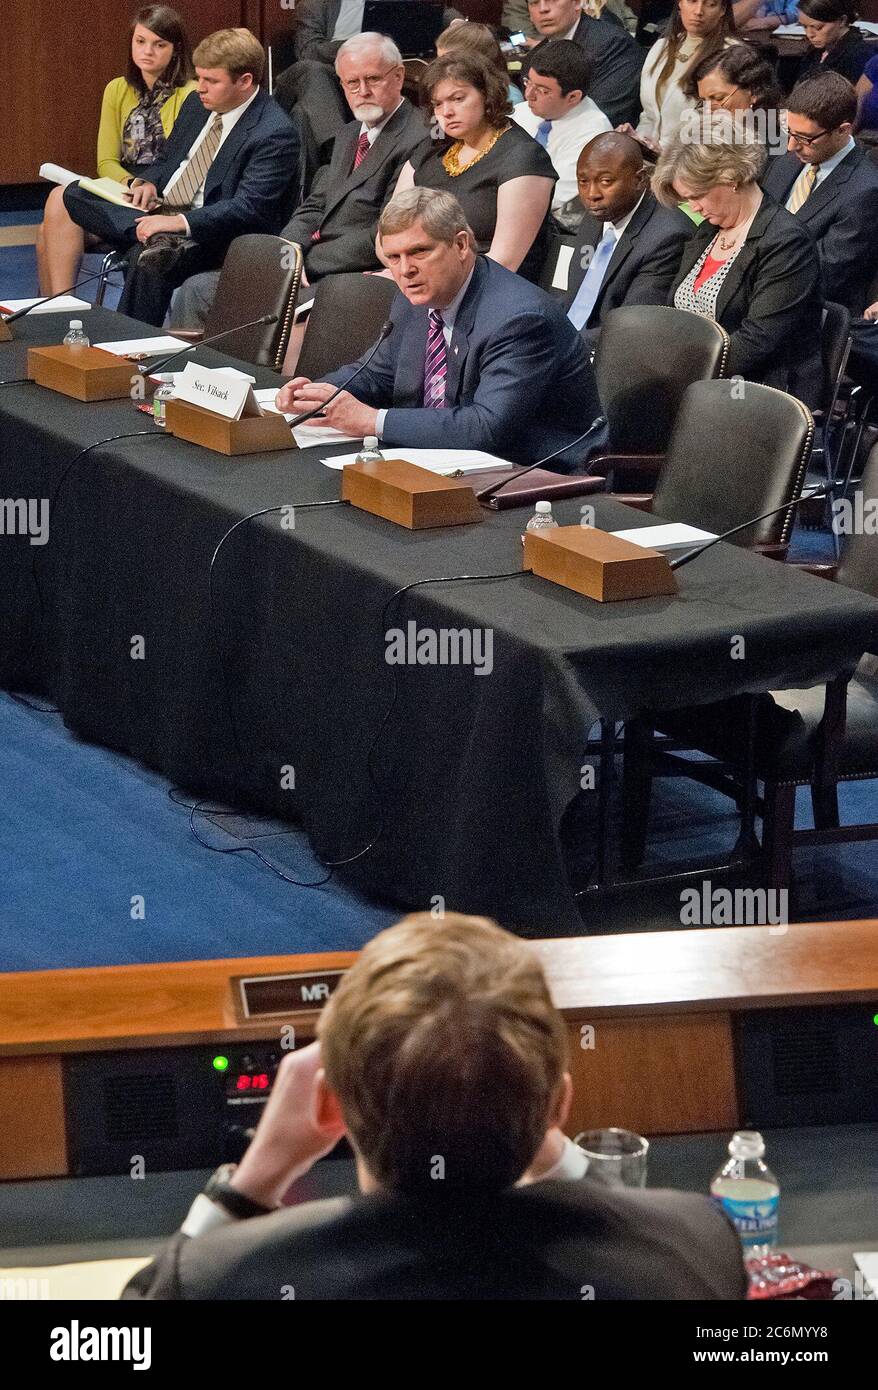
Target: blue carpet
<point>83,831</point>
<point>18,267</point>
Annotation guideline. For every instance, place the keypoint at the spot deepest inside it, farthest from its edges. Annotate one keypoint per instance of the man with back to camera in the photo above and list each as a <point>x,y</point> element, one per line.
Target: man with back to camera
<point>558,111</point>
<point>443,1059</point>
<point>617,59</point>
<point>230,167</point>
<point>336,224</point>
<point>628,247</point>
<point>478,358</point>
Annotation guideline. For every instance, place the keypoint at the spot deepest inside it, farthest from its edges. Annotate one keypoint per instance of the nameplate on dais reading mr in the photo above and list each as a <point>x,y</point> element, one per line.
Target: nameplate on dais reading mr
<point>267,996</point>
<point>213,390</point>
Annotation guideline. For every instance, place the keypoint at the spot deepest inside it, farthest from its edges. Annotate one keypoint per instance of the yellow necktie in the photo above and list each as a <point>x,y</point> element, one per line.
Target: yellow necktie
<point>802,188</point>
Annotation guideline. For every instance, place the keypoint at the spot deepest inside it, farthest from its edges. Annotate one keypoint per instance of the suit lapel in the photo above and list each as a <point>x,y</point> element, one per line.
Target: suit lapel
<point>463,327</point>
<point>744,258</point>
<point>380,152</point>
<point>232,144</point>
<point>409,381</point>
<point>827,191</point>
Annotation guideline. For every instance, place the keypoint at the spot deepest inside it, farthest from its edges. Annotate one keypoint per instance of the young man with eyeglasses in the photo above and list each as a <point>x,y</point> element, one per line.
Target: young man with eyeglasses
<point>828,181</point>
<point>558,111</point>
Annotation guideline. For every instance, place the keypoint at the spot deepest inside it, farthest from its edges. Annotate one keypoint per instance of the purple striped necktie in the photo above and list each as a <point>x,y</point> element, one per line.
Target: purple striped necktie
<point>435,363</point>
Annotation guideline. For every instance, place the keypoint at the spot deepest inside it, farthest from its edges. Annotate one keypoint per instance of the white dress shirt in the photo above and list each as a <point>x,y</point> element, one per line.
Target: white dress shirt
<point>229,119</point>
<point>350,19</point>
<point>566,139</point>
<point>449,317</point>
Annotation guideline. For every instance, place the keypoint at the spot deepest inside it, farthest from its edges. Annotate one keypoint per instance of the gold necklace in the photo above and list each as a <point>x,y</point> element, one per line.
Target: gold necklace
<point>450,160</point>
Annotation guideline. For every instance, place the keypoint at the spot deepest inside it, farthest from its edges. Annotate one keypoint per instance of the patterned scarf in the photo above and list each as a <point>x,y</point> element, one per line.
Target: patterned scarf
<point>143,136</point>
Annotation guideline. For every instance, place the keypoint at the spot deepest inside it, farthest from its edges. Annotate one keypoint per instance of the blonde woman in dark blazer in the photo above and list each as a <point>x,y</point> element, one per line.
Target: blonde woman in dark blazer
<point>751,266</point>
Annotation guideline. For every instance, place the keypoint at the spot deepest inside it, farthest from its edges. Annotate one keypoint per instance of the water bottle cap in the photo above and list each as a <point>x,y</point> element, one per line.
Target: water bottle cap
<point>76,323</point>
<point>370,441</point>
<point>747,1143</point>
<point>544,507</point>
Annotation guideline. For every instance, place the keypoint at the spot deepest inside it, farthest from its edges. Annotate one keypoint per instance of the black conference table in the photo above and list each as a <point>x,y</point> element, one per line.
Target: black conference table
<point>471,774</point>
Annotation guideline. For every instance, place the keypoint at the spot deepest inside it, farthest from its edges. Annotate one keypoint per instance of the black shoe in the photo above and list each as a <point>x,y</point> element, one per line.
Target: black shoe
<point>163,252</point>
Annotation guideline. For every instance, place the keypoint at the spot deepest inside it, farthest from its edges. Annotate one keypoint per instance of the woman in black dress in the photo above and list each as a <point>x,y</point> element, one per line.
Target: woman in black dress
<point>502,178</point>
<point>834,44</point>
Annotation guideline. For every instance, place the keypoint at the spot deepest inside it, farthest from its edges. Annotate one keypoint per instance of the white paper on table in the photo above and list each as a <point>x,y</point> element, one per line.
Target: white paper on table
<point>561,277</point>
<point>796,31</point>
<point>442,461</point>
<point>665,537</point>
<point>867,1261</point>
<point>145,347</point>
<point>308,436</point>
<point>62,305</point>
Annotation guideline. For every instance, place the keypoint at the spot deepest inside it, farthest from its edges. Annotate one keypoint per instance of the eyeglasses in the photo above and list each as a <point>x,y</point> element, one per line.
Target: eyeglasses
<point>807,139</point>
<point>354,84</point>
<point>706,103</point>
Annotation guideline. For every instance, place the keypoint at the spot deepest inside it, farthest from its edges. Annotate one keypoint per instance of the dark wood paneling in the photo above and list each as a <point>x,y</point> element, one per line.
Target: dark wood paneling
<point>57,61</point>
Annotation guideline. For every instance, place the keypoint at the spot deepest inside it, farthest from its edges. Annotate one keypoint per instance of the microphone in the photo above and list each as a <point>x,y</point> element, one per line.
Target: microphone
<point>150,370</point>
<point>488,492</point>
<point>386,330</point>
<point>20,313</point>
<point>684,559</point>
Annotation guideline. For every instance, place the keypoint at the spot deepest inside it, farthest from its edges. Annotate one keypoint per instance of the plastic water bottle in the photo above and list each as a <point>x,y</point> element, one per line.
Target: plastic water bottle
<point>75,337</point>
<point>542,519</point>
<point>164,392</point>
<point>748,1192</point>
<point>370,453</point>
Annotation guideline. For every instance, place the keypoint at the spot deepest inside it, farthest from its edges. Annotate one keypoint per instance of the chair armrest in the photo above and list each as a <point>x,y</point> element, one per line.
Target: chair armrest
<point>822,570</point>
<point>641,501</point>
<point>644,463</point>
<point>772,550</point>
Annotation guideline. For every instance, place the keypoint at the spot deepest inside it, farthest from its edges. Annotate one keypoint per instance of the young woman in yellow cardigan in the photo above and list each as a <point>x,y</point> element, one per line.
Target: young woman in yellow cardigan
<point>138,112</point>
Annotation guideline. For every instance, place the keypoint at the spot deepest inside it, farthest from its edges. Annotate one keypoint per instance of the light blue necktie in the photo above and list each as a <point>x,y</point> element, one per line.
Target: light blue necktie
<point>542,135</point>
<point>587,294</point>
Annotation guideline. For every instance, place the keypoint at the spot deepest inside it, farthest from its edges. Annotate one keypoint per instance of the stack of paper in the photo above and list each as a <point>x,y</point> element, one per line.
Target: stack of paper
<point>64,304</point>
<point>444,461</point>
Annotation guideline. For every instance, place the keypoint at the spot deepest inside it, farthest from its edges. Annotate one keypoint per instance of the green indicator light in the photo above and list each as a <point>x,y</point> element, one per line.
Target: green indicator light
<point>875,1020</point>
<point>220,1063</point>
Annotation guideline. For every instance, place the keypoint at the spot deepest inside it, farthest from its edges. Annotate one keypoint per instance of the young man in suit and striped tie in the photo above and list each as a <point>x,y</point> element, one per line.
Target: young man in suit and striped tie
<point>831,184</point>
<point>230,167</point>
<point>478,358</point>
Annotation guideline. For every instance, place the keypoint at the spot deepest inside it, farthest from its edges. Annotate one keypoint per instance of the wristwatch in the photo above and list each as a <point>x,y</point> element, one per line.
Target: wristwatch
<point>218,1189</point>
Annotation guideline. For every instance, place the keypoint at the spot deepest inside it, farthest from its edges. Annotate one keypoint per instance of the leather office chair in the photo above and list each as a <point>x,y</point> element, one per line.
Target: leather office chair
<point>737,450</point>
<point>347,316</point>
<point>835,346</point>
<point>647,357</point>
<point>817,737</point>
<point>260,275</point>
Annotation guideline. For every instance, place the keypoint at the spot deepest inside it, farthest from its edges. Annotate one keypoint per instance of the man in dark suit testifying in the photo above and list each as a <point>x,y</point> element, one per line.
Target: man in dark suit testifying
<point>230,167</point>
<point>617,59</point>
<point>478,358</point>
<point>628,247</point>
<point>336,224</point>
<point>443,1059</point>
<point>831,185</point>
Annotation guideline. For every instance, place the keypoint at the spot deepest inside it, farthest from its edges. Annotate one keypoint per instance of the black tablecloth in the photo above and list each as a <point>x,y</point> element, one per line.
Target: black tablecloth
<point>475,772</point>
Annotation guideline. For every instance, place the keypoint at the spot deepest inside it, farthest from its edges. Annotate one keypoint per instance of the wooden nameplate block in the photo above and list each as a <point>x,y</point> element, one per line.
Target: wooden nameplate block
<point>85,373</point>
<point>596,564</point>
<point>409,496</point>
<point>252,434</point>
<point>5,332</point>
